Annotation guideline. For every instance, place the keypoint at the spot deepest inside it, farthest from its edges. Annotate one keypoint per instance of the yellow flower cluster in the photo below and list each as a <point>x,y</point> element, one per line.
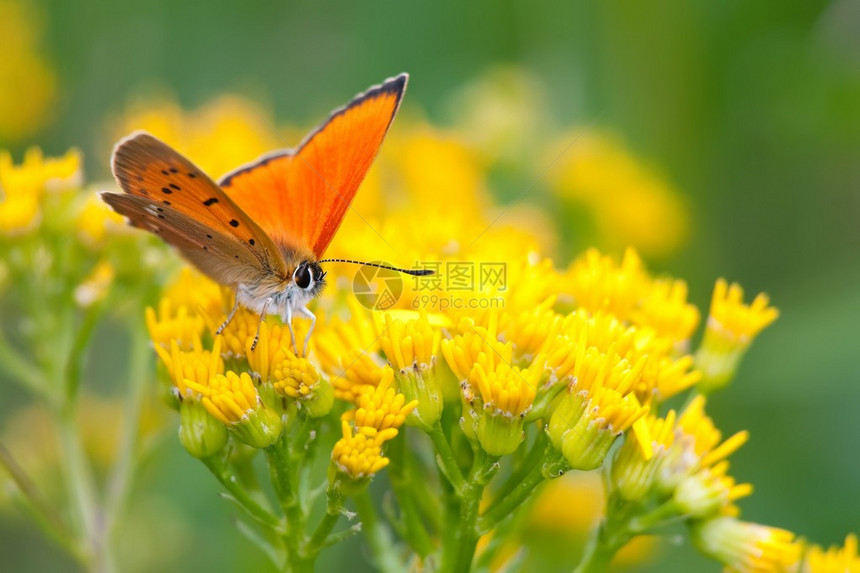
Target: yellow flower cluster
<point>23,188</point>
<point>585,354</point>
<point>379,412</point>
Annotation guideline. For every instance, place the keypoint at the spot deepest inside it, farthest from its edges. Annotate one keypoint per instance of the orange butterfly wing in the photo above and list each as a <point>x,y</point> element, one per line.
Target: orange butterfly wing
<point>299,198</point>
<point>171,192</point>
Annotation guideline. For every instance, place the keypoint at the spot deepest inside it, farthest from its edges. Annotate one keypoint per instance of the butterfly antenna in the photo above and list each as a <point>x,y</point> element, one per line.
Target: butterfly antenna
<point>412,272</point>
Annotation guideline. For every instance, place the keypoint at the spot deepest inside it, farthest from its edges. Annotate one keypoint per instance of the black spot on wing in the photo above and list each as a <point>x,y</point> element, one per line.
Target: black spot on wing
<point>251,242</point>
<point>174,170</point>
<point>165,172</point>
<point>210,201</point>
<point>234,223</point>
<point>166,191</point>
<point>175,186</point>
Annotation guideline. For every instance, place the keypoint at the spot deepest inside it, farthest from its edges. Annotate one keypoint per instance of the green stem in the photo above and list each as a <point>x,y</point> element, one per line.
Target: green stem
<point>334,506</point>
<point>74,362</point>
<point>458,556</point>
<point>405,485</point>
<point>282,466</point>
<point>378,537</point>
<point>504,506</point>
<point>120,479</point>
<point>445,458</point>
<point>534,458</point>
<point>46,516</point>
<point>81,490</point>
<point>26,373</point>
<point>225,476</point>
<point>601,548</point>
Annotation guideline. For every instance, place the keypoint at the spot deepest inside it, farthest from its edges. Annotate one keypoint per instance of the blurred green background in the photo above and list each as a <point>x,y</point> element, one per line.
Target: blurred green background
<point>751,110</point>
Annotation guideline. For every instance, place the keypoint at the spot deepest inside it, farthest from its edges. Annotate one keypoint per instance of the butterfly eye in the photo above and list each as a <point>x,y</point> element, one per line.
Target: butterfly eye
<point>302,276</point>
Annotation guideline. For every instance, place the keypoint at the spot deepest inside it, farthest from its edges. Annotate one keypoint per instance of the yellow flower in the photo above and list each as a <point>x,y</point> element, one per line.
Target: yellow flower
<point>221,135</point>
<point>96,220</point>
<point>411,347</point>
<point>665,309</point>
<point>731,328</point>
<point>832,560</point>
<point>173,323</point>
<point>695,454</point>
<point>380,407</point>
<point>710,491</point>
<point>409,344</point>
<point>233,399</point>
<point>22,187</point>
<point>530,330</point>
<point>745,547</point>
<point>358,454</point>
<point>298,379</point>
<point>507,393</point>
<point>198,293</point>
<point>198,365</point>
<point>633,473</point>
<point>28,79</point>
<point>598,284</point>
<point>347,352</point>
<point>630,202</point>
<point>597,407</point>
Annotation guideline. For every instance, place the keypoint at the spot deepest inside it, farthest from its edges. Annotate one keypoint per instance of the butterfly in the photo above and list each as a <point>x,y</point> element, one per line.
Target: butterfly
<point>263,228</point>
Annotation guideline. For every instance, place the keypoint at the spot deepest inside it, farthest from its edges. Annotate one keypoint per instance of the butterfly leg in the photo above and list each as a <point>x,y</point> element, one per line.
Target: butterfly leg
<point>288,320</point>
<point>259,324</point>
<point>230,317</point>
<point>308,314</point>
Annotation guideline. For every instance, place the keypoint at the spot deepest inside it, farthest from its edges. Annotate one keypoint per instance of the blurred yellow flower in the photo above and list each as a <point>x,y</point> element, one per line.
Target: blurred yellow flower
<point>218,137</point>
<point>95,287</point>
<point>631,204</point>
<point>22,187</point>
<point>745,547</point>
<point>96,220</point>
<point>834,559</point>
<point>28,78</point>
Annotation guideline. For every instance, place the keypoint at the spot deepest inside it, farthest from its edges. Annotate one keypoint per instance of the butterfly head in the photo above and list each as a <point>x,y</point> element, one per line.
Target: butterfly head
<point>309,277</point>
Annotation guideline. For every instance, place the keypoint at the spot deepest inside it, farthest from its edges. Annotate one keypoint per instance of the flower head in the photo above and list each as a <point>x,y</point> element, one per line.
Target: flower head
<point>745,547</point>
<point>835,559</point>
<point>633,472</point>
<point>732,326</point>
<point>598,284</point>
<point>597,407</point>
<point>694,468</point>
<point>358,454</point>
<point>233,399</point>
<point>411,347</point>
<point>380,407</point>
<point>507,393</point>
<point>173,324</point>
